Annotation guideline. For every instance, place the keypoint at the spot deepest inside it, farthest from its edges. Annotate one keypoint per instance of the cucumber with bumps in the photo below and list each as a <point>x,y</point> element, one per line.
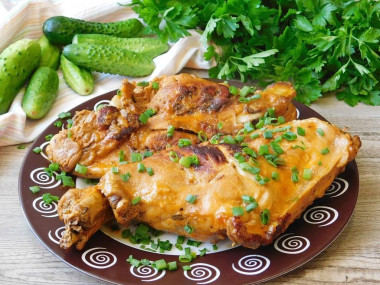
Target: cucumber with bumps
<point>79,79</point>
<point>17,62</point>
<point>150,47</point>
<point>40,93</point>
<point>49,53</point>
<point>108,59</point>
<point>61,30</point>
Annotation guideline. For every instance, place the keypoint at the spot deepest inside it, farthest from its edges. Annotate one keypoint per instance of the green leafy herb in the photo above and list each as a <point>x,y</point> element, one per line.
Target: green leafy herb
<point>320,46</point>
<point>48,198</point>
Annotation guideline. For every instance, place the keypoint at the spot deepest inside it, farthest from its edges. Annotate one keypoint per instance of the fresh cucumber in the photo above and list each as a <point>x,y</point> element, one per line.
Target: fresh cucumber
<point>40,93</point>
<point>150,47</point>
<point>17,62</point>
<point>109,59</point>
<point>79,79</point>
<point>61,30</point>
<point>49,53</point>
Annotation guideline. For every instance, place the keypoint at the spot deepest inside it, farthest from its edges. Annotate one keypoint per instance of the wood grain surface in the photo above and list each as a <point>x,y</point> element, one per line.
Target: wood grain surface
<point>354,257</point>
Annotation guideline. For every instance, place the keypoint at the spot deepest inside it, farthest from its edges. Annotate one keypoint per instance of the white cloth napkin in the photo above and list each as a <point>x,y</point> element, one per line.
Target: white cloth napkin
<point>24,19</point>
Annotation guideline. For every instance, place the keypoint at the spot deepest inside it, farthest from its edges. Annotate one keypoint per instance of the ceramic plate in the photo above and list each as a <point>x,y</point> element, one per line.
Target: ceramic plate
<point>104,257</point>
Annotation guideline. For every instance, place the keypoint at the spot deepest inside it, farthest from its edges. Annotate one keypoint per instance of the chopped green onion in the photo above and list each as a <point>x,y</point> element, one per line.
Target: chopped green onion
<point>319,162</point>
<point>246,90</point>
<point>260,124</point>
<point>229,140</point>
<point>180,240</point>
<point>35,189</point>
<point>294,174</point>
<point>179,246</point>
<point>64,115</point>
<point>186,161</point>
<point>67,181</point>
<point>239,157</point>
<point>248,127</point>
<point>170,131</point>
<point>80,169</point>
<point>48,137</point>
<point>237,211</point>
<point>143,83</point>
<point>239,138</point>
<point>53,166</point>
<point>48,198</point>
<point>58,124</point>
<point>125,177</point>
<point>191,198</point>
<point>115,169</point>
<point>275,175</point>
<point>282,129</point>
<point>134,262</point>
<point>251,206</point>
<point>136,157</point>
<point>37,150</point>
<point>172,265</point>
<point>147,153</point>
<point>202,136</point>
<point>276,147</point>
<point>160,264</point>
<point>186,267</point>
<point>215,139</point>
<point>307,173</point>
<point>184,142</point>
<point>173,156</point>
<point>255,136</point>
<point>289,136</point>
<point>188,229</point>
<point>155,85</point>
<point>214,247</point>
<point>325,151</point>
<point>150,171</point>
<point>126,233</point>
<point>121,156</point>
<point>144,117</point>
<point>234,90</point>
<point>263,149</point>
<point>203,251</point>
<point>249,99</point>
<point>185,258</point>
<point>265,216</point>
<point>247,198</point>
<point>69,134</point>
<point>141,167</point>
<point>69,123</point>
<point>320,132</point>
<point>301,131</point>
<point>136,200</point>
<point>247,167</point>
<point>220,125</point>
<point>268,135</point>
<point>193,243</point>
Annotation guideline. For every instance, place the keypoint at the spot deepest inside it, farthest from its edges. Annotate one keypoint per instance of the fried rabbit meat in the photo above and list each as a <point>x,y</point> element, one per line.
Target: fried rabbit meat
<point>219,177</point>
<point>186,102</point>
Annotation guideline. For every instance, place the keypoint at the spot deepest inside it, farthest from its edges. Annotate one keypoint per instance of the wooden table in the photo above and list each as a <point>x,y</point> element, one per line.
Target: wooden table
<point>354,257</point>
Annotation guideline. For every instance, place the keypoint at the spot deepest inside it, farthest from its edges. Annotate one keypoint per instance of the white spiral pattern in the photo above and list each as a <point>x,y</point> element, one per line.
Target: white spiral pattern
<point>106,102</point>
<point>147,273</point>
<point>57,235</point>
<point>42,147</point>
<point>298,113</point>
<point>291,244</point>
<point>40,177</point>
<point>321,216</point>
<point>48,211</point>
<point>337,188</point>
<point>98,258</point>
<point>202,273</point>
<point>252,264</point>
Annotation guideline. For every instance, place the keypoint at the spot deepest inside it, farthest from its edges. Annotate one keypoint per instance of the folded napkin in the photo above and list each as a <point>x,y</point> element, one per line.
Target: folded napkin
<point>24,19</point>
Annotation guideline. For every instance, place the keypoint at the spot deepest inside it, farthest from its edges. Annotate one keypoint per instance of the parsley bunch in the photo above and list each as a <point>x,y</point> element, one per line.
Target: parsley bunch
<point>319,45</point>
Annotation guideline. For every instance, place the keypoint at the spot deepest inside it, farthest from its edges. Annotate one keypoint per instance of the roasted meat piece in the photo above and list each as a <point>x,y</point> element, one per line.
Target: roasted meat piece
<point>283,172</point>
<point>186,102</point>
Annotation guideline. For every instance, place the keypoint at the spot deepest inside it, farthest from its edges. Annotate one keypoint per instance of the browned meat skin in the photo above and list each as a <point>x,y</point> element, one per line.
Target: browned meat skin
<point>219,183</point>
<point>83,211</point>
<point>96,138</point>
